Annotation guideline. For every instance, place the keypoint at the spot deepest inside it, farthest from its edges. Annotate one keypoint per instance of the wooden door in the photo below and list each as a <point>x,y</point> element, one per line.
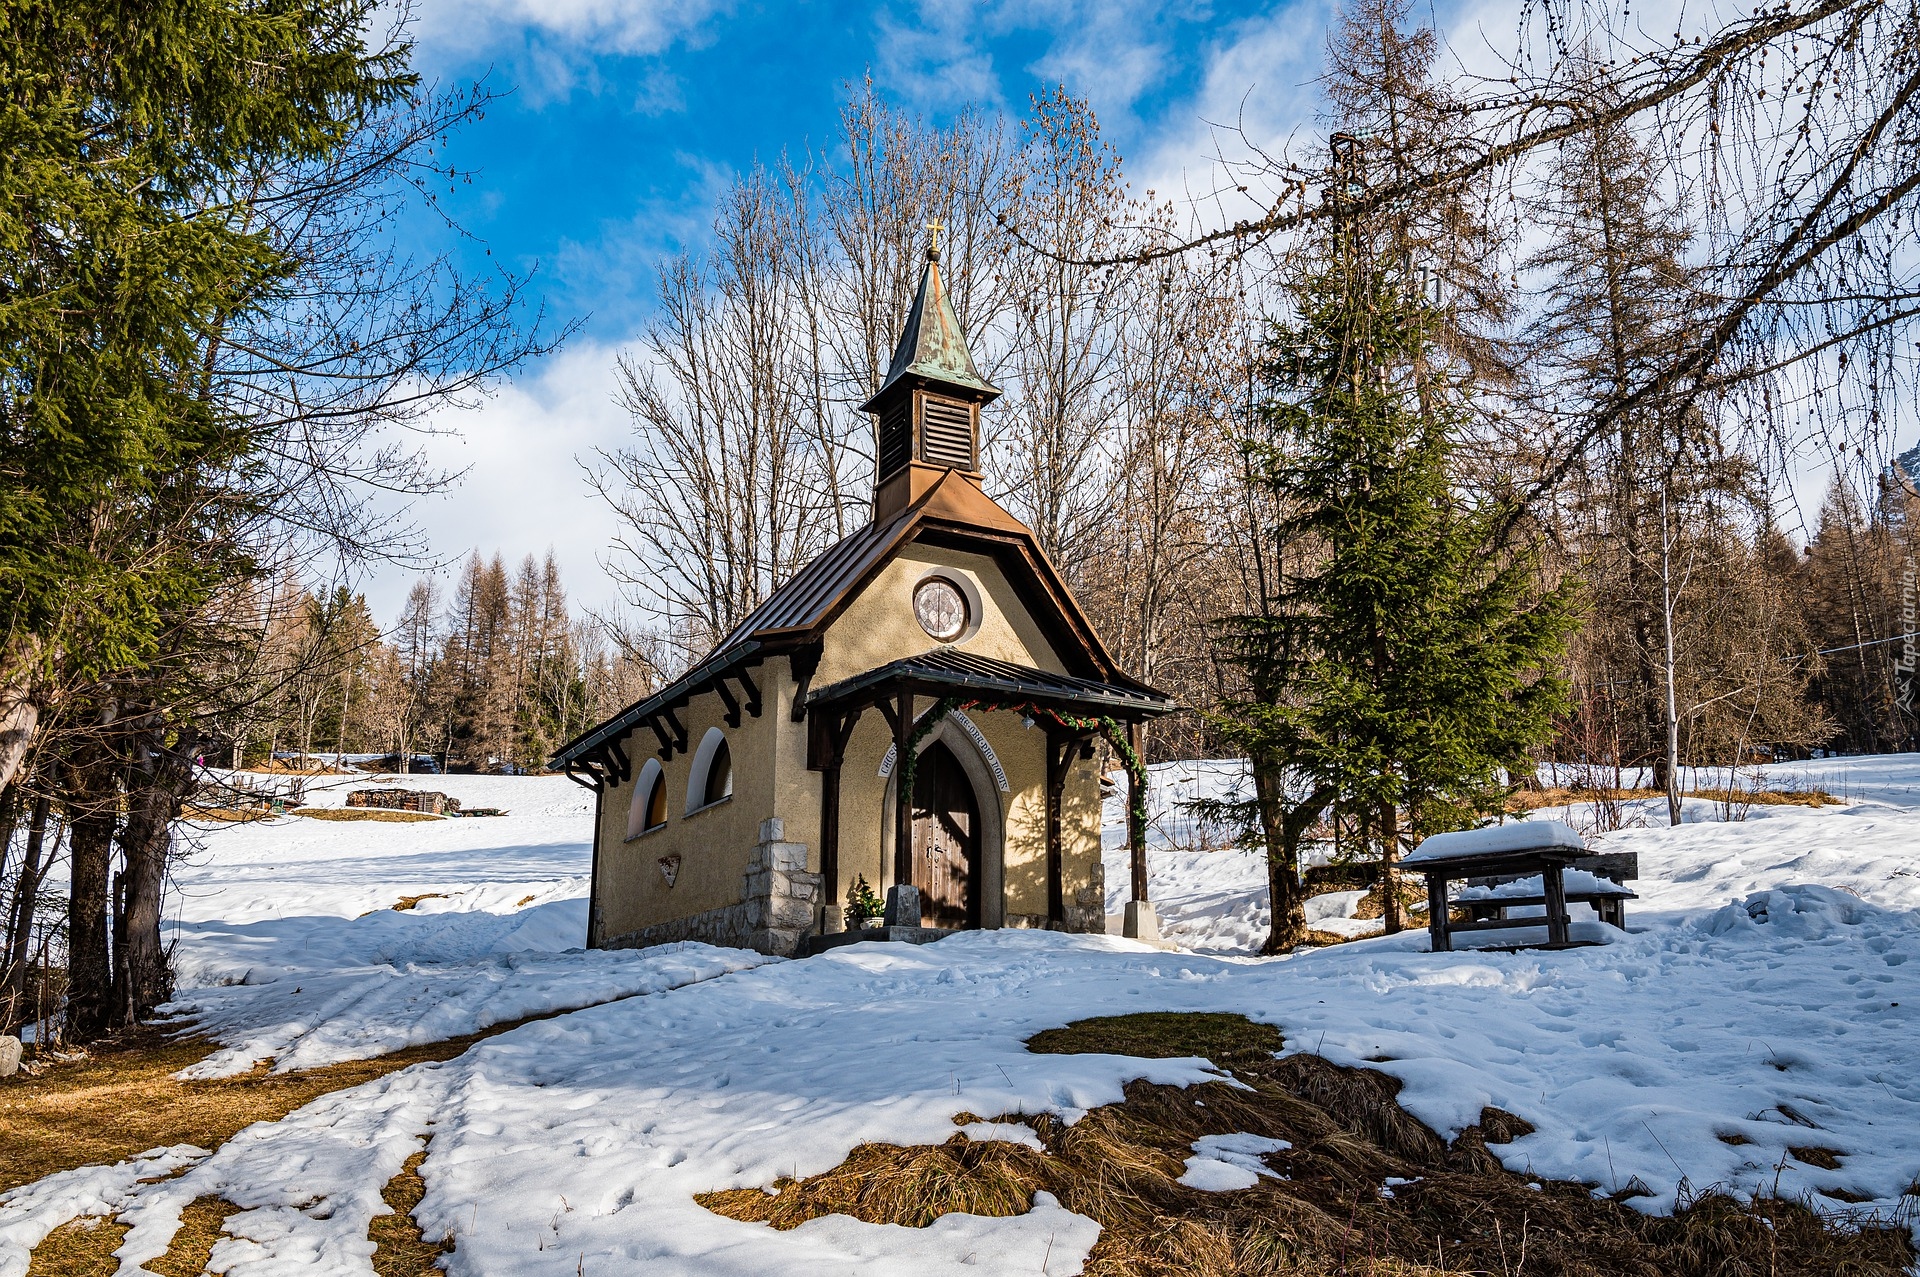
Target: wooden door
<point>946,840</point>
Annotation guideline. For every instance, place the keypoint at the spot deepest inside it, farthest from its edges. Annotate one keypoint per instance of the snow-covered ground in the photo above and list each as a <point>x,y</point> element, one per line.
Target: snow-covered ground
<point>289,948</point>
<point>1766,991</point>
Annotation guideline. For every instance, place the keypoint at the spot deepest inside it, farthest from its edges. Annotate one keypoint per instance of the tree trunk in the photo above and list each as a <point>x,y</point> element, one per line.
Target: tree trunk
<point>142,980</point>
<point>1389,874</point>
<point>19,722</point>
<point>89,970</point>
<point>26,892</point>
<point>1287,903</point>
<point>1672,716</point>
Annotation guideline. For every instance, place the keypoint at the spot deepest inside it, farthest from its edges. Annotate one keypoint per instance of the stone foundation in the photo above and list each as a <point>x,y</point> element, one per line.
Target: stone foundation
<point>775,912</point>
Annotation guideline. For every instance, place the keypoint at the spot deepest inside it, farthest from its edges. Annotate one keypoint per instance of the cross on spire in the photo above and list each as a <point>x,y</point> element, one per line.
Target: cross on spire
<point>933,243</point>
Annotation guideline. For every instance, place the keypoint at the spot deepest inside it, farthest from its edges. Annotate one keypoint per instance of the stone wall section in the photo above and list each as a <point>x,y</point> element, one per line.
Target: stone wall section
<point>776,911</point>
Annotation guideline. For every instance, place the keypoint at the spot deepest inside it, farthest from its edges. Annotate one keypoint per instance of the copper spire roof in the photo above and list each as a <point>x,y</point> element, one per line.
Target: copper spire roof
<point>932,347</point>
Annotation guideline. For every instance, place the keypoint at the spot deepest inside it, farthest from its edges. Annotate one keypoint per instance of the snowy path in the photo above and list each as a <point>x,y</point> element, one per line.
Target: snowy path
<point>290,950</point>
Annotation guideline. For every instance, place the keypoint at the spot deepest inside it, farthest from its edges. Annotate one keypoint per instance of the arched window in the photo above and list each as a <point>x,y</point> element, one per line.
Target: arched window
<point>649,806</point>
<point>710,779</point>
<point>719,776</point>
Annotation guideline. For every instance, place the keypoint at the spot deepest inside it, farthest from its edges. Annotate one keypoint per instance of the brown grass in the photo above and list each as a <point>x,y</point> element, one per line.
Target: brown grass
<point>122,1099</point>
<point>1535,799</point>
<point>192,1246</point>
<point>1374,904</point>
<point>363,813</point>
<point>1827,1159</point>
<point>79,1248</point>
<point>281,767</point>
<point>1463,1212</point>
<point>1771,797</point>
<point>399,1248</point>
<point>84,1247</point>
<point>1228,1040</point>
<point>405,903</point>
<point>229,815</point>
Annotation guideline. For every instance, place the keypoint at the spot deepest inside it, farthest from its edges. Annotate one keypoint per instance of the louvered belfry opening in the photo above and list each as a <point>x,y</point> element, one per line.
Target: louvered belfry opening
<point>896,436</point>
<point>927,411</point>
<point>947,433</point>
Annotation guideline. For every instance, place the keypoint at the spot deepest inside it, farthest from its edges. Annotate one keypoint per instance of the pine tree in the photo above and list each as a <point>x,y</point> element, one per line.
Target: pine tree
<point>120,256</point>
<point>1404,670</point>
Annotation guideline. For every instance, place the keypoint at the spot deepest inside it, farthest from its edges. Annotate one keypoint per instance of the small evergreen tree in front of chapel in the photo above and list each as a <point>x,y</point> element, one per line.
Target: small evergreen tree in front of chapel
<point>1405,662</point>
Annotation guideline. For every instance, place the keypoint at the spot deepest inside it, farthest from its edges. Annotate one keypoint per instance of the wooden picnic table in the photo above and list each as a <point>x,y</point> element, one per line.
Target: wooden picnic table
<point>1550,863</point>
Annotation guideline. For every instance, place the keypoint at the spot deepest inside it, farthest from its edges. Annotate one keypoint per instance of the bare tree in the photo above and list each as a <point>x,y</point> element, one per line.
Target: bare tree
<point>1054,449</point>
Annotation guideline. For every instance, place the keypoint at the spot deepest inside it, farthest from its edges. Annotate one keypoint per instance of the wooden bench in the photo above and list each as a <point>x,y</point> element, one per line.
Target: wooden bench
<point>1489,870</point>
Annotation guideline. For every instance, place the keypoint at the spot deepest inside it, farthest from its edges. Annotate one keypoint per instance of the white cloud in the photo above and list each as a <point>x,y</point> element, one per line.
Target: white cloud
<point>935,63</point>
<point>524,491</point>
<point>1258,89</point>
<point>605,26</point>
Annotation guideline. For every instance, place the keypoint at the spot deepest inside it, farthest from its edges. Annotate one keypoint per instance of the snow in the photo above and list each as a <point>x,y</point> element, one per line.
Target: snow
<point>1574,881</point>
<point>1494,840</point>
<point>375,1009</point>
<point>1770,1018</point>
<point>30,1212</point>
<point>290,949</point>
<point>1223,1163</point>
<point>1210,896</point>
<point>1766,991</point>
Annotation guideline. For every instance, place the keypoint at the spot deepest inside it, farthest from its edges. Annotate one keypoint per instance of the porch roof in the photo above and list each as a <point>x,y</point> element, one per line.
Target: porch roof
<point>949,672</point>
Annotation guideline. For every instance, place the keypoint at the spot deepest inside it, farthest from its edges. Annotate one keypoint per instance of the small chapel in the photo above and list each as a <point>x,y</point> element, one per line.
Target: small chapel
<point>747,801</point>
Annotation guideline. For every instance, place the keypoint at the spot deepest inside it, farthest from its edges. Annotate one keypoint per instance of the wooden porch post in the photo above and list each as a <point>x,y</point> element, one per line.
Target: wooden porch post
<point>834,751</point>
<point>1136,827</point>
<point>1059,752</point>
<point>830,809</point>
<point>902,800</point>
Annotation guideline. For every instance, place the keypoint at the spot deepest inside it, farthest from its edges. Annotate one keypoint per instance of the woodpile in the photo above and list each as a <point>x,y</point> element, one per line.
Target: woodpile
<point>423,800</point>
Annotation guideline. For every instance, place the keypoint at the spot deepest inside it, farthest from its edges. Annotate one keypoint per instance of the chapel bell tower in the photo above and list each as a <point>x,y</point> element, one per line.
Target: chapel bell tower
<point>927,411</point>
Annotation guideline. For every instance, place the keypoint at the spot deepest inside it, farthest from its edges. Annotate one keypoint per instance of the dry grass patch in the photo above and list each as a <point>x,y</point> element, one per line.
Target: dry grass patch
<point>1228,1040</point>
<point>1458,1211</point>
<point>192,1246</point>
<point>79,1248</point>
<point>1413,897</point>
<point>363,813</point>
<point>405,903</point>
<point>1770,797</point>
<point>122,1099</point>
<point>399,1248</point>
<point>1534,799</point>
<point>285,767</point>
<point>887,1184</point>
<point>224,815</point>
<point>1827,1159</point>
<point>84,1247</point>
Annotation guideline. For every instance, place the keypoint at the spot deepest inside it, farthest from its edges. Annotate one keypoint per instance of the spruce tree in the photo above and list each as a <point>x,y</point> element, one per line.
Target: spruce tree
<point>1406,664</point>
<point>124,253</point>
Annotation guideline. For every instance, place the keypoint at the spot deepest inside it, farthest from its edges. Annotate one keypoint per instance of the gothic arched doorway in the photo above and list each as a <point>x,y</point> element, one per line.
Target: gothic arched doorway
<point>946,840</point>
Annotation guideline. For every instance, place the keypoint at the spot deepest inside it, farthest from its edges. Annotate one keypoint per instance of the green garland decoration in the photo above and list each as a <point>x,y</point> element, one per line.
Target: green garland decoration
<point>921,730</point>
<point>1106,726</point>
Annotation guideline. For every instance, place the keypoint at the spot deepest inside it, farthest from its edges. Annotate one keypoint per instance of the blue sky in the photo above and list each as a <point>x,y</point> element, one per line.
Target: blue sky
<point>621,121</point>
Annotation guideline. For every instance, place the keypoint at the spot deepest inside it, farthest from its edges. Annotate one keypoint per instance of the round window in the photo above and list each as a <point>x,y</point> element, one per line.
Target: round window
<point>941,608</point>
